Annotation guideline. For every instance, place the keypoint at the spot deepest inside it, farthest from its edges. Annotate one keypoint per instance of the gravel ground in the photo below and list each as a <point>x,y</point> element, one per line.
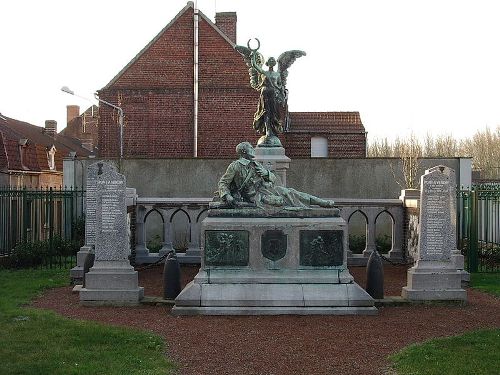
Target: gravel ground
<point>287,344</point>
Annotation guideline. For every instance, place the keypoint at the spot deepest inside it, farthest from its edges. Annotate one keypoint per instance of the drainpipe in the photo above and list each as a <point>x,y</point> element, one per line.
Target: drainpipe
<point>195,84</point>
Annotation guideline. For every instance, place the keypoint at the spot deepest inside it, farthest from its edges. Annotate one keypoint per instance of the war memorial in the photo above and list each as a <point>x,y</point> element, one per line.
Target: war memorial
<point>267,248</point>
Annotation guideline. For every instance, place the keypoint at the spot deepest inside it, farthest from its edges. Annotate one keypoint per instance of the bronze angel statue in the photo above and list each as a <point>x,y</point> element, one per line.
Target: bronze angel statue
<point>271,117</point>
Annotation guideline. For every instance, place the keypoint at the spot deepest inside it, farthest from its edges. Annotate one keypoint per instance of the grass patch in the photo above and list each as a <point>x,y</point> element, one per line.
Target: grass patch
<point>486,282</point>
<point>41,342</point>
<point>475,353</point>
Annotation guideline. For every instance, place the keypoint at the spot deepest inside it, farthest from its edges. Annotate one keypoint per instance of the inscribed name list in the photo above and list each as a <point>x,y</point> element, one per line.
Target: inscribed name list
<point>111,236</point>
<point>435,222</point>
<point>93,171</point>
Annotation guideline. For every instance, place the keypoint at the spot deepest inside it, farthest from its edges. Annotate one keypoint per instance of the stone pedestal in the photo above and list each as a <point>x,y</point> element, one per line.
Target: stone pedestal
<point>274,159</point>
<point>458,260</point>
<point>76,273</point>
<point>283,263</point>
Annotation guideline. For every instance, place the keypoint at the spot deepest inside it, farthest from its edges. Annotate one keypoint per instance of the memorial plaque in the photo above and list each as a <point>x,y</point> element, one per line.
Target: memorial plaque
<point>93,171</point>
<point>111,217</point>
<point>321,248</point>
<point>226,248</point>
<point>436,237</point>
<point>273,244</point>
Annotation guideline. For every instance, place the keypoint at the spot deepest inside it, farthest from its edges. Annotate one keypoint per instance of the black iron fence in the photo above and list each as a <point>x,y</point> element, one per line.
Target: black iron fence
<point>478,227</point>
<point>41,226</point>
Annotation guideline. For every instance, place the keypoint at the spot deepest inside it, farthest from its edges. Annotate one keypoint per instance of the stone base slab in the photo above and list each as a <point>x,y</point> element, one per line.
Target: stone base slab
<point>111,283</point>
<point>275,310</point>
<point>109,297</point>
<point>256,299</point>
<point>433,284</point>
<point>434,295</point>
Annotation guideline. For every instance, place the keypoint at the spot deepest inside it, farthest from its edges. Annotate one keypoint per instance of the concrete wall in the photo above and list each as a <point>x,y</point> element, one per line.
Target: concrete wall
<point>367,178</point>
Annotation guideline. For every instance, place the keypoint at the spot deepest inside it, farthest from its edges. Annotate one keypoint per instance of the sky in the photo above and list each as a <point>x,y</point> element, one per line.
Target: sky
<point>408,67</point>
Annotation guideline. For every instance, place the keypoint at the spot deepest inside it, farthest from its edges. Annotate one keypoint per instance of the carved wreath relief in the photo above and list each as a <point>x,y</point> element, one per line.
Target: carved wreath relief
<point>226,248</point>
<point>321,248</point>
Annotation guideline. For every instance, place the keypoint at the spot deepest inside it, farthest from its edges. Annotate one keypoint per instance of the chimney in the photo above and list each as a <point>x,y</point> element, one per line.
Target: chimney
<point>72,112</point>
<point>226,22</point>
<point>51,128</point>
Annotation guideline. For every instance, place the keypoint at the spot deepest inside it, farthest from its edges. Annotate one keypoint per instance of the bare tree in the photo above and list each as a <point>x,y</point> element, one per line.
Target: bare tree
<point>380,148</point>
<point>483,147</point>
<point>442,146</point>
<point>409,151</point>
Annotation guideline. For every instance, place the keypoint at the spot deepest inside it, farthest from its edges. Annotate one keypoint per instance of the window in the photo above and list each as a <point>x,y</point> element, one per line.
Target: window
<point>319,147</point>
<point>51,158</point>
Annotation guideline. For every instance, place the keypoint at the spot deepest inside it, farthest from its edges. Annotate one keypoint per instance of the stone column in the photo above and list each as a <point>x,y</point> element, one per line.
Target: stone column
<point>141,251</point>
<point>370,235</point>
<point>193,253</point>
<point>396,253</point>
<point>456,255</point>
<point>274,159</point>
<point>167,233</point>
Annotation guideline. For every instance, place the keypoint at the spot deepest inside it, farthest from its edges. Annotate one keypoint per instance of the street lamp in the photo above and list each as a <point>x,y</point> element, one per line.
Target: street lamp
<point>67,90</point>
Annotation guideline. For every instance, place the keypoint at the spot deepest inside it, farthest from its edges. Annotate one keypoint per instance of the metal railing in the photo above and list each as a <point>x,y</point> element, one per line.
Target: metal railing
<point>478,227</point>
<point>44,216</point>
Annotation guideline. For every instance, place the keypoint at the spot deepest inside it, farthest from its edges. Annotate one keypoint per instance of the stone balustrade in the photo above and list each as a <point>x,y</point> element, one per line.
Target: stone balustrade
<point>196,209</point>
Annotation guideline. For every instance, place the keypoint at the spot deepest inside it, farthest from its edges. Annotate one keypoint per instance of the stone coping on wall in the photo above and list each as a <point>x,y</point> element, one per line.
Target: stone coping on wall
<point>200,200</point>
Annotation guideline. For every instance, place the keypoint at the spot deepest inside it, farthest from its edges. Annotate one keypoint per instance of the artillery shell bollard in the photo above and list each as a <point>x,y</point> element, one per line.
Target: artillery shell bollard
<point>375,276</point>
<point>171,277</point>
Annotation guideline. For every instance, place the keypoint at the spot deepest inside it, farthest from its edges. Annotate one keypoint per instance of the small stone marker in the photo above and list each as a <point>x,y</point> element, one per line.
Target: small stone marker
<point>434,276</point>
<point>112,280</point>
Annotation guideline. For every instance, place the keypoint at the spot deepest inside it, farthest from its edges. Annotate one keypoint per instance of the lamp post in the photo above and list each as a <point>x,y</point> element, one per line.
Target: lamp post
<point>67,90</point>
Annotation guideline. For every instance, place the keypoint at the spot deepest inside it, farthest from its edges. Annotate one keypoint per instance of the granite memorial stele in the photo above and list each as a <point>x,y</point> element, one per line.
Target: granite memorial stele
<point>111,280</point>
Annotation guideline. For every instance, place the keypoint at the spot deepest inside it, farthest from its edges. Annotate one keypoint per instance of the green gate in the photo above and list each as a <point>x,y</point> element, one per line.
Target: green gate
<point>478,227</point>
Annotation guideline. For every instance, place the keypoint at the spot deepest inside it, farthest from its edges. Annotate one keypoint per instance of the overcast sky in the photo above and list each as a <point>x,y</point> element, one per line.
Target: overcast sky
<point>406,66</point>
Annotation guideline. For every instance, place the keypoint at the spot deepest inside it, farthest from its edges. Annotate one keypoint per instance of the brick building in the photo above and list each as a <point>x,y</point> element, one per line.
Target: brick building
<point>156,92</point>
<point>32,156</point>
<point>82,126</point>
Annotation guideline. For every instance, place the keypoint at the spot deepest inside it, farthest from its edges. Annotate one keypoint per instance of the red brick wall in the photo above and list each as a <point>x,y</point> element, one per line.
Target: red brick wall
<point>226,22</point>
<point>156,94</point>
<point>227,103</point>
<point>298,145</point>
<point>83,127</point>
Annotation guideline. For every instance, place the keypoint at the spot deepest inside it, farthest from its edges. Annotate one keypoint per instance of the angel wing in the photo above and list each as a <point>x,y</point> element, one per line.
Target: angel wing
<point>247,56</point>
<point>285,60</point>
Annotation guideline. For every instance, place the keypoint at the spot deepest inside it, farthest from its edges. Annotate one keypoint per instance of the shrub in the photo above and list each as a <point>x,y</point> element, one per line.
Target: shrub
<point>32,254</point>
<point>357,243</point>
<point>155,244</point>
<point>383,243</point>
